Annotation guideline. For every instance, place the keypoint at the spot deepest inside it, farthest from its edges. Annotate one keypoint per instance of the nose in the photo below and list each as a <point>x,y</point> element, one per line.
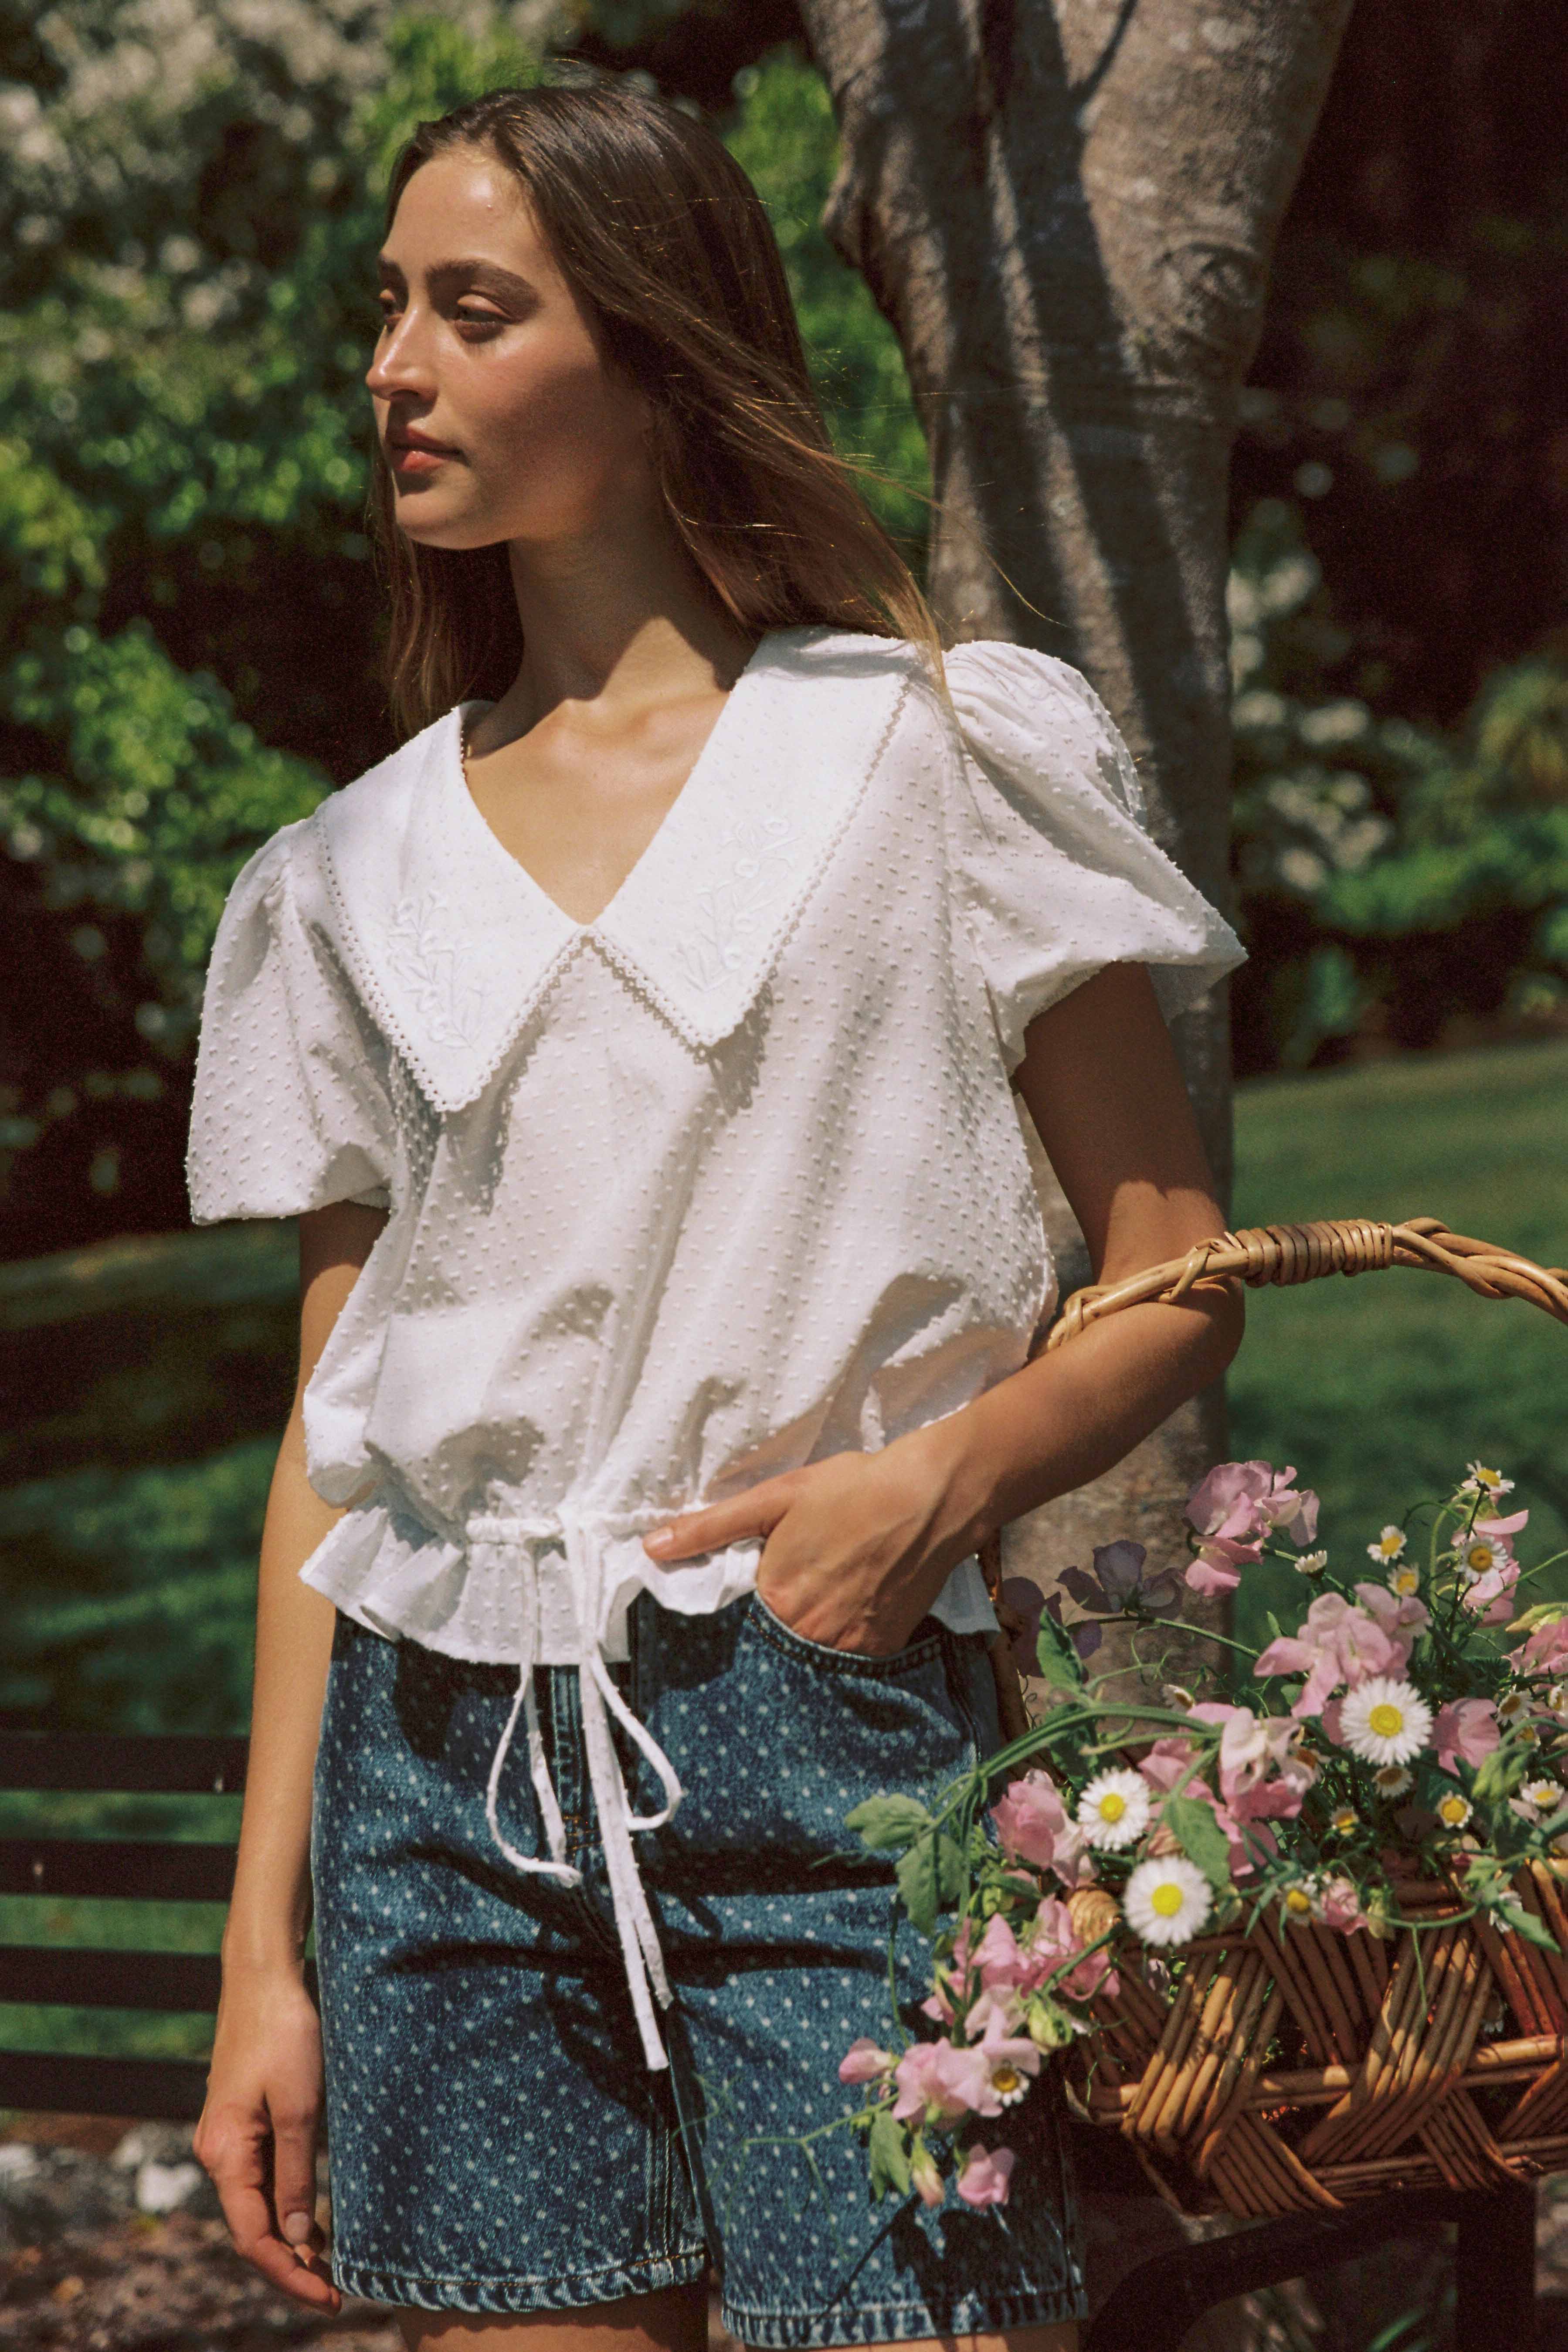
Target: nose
<point>402,362</point>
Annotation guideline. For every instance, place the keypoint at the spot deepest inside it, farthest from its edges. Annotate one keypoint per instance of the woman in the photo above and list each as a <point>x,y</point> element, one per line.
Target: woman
<point>634,1047</point>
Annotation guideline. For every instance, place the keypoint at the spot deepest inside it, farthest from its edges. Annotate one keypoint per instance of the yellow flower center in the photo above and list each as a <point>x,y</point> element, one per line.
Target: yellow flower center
<point>1006,2079</point>
<point>1167,1898</point>
<point>1298,1901</point>
<point>1112,1806</point>
<point>1479,1558</point>
<point>1452,1811</point>
<point>1386,1720</point>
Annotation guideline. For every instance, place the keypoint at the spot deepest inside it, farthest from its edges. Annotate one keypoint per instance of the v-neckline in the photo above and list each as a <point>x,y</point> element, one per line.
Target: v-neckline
<point>696,775</point>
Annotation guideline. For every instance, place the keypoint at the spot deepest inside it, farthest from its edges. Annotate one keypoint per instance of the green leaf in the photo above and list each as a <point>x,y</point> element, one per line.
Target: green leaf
<point>888,2152</point>
<point>1527,1924</point>
<point>1499,1774</point>
<point>932,1873</point>
<point>1201,1840</point>
<point>889,1823</point>
<point>1060,1661</point>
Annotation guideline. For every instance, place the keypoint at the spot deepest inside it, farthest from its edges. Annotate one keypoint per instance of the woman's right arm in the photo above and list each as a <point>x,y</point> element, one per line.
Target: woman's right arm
<point>257,2136</point>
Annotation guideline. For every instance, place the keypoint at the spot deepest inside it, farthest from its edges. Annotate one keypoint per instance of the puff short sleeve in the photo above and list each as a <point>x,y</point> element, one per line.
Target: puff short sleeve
<point>289,1110</point>
<point>1056,871</point>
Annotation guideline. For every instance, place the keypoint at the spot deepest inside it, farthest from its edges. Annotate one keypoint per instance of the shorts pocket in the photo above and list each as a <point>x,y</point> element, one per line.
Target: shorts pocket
<point>916,1653</point>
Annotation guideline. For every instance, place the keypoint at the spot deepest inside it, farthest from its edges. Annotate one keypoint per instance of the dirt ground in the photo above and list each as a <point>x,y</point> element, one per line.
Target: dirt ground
<point>110,2241</point>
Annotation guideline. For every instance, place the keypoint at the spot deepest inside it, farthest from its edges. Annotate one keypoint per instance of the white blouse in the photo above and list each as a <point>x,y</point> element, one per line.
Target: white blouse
<point>724,1182</point>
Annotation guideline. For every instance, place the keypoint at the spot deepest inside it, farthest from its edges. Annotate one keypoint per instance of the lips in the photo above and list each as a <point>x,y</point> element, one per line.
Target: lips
<point>410,453</point>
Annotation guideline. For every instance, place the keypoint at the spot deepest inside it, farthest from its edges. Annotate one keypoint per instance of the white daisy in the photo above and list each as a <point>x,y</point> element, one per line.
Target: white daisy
<point>1543,1796</point>
<point>1113,1810</point>
<point>1166,1902</point>
<point>1556,1699</point>
<point>1391,1781</point>
<point>1008,2083</point>
<point>1490,1482</point>
<point>1405,1581</point>
<point>1478,1555</point>
<point>1297,1905</point>
<point>1385,1721</point>
<point>1453,1810</point>
<point>1311,1563</point>
<point>1512,1706</point>
<point>1389,1545</point>
<point>1345,1820</point>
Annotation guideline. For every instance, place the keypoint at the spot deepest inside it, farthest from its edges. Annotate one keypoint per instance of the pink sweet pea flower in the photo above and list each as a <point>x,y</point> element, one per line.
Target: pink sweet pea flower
<point>1233,1508</point>
<point>985,2175</point>
<point>1401,1618</point>
<point>997,1957</point>
<point>993,2013</point>
<point>928,2181</point>
<point>1053,1941</point>
<point>1214,1570</point>
<point>1250,1745</point>
<point>1031,1820</point>
<point>1164,1766</point>
<point>1491,1596</point>
<point>865,2061</point>
<point>937,2080</point>
<point>1544,1652</point>
<point>1336,1644</point>
<point>1340,1906</point>
<point>1465,1730</point>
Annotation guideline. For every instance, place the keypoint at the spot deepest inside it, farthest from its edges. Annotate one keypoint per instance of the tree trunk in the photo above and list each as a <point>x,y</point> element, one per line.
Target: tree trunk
<point>1066,210</point>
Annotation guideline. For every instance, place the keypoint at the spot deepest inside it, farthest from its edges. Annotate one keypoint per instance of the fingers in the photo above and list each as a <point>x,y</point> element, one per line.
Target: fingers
<point>294,2176</point>
<point>235,2147</point>
<point>757,1512</point>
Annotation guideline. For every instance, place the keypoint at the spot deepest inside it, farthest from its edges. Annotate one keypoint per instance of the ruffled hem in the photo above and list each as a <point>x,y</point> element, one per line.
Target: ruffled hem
<point>392,1573</point>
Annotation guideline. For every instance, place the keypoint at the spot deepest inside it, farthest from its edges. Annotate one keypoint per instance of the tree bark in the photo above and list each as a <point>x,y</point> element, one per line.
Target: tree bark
<point>1066,210</point>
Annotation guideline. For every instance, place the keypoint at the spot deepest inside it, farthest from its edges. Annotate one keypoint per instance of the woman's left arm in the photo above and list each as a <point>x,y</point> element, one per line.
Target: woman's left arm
<point>858,1546</point>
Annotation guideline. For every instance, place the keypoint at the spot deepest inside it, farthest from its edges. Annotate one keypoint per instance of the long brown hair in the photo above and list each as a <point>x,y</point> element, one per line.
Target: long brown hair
<point>666,243</point>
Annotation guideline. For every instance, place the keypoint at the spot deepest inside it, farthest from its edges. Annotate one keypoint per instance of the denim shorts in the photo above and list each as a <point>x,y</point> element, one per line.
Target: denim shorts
<point>495,2140</point>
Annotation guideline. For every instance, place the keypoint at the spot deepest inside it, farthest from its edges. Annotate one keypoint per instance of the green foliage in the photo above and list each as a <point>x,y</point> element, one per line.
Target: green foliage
<point>1202,1839</point>
<point>191,620</point>
<point>129,1598</point>
<point>932,1873</point>
<point>1390,875</point>
<point>786,142</point>
<point>888,2152</point>
<point>888,1824</point>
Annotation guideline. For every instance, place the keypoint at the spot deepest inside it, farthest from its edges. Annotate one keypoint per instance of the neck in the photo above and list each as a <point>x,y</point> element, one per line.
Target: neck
<point>616,613</point>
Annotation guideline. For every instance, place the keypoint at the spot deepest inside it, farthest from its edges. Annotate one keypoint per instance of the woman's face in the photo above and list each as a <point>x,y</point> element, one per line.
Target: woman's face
<point>498,416</point>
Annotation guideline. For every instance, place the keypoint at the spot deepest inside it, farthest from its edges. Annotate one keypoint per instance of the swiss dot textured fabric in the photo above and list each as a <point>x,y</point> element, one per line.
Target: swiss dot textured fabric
<point>496,2146</point>
<point>726,1180</point>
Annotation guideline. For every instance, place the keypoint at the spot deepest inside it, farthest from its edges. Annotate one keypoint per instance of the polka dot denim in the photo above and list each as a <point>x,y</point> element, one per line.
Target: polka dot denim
<point>495,2143</point>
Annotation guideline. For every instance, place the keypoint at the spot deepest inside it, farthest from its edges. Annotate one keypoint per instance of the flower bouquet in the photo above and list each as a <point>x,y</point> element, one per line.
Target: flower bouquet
<point>1300,1940</point>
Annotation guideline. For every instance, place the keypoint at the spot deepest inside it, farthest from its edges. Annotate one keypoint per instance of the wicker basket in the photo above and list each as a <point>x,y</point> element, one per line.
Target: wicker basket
<point>1294,2068</point>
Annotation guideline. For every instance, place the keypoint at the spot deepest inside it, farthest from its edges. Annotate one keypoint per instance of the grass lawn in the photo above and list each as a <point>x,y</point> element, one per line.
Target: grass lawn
<point>1380,1389</point>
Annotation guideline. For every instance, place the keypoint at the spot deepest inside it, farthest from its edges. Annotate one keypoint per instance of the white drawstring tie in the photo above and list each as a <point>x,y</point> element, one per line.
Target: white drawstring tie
<point>560,1615</point>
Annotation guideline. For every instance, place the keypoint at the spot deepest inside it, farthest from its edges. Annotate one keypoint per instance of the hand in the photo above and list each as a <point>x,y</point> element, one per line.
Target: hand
<point>256,2136</point>
<point>856,1548</point>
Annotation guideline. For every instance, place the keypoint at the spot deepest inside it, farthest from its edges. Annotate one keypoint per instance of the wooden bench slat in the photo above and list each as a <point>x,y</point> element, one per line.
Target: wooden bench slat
<point>68,1976</point>
<point>144,1870</point>
<point>137,1764</point>
<point>165,2089</point>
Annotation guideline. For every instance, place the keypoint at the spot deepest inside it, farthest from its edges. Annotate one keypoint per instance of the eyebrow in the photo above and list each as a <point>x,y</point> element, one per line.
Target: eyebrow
<point>472,270</point>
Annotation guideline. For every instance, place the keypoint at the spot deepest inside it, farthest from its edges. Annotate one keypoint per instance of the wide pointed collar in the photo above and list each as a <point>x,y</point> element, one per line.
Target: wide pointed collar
<point>452,943</point>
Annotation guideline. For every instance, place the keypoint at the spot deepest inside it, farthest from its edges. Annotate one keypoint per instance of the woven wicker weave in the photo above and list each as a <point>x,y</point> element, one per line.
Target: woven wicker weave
<point>1294,2068</point>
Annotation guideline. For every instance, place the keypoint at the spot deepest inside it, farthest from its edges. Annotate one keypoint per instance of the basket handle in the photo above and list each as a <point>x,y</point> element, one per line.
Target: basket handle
<point>1287,1254</point>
